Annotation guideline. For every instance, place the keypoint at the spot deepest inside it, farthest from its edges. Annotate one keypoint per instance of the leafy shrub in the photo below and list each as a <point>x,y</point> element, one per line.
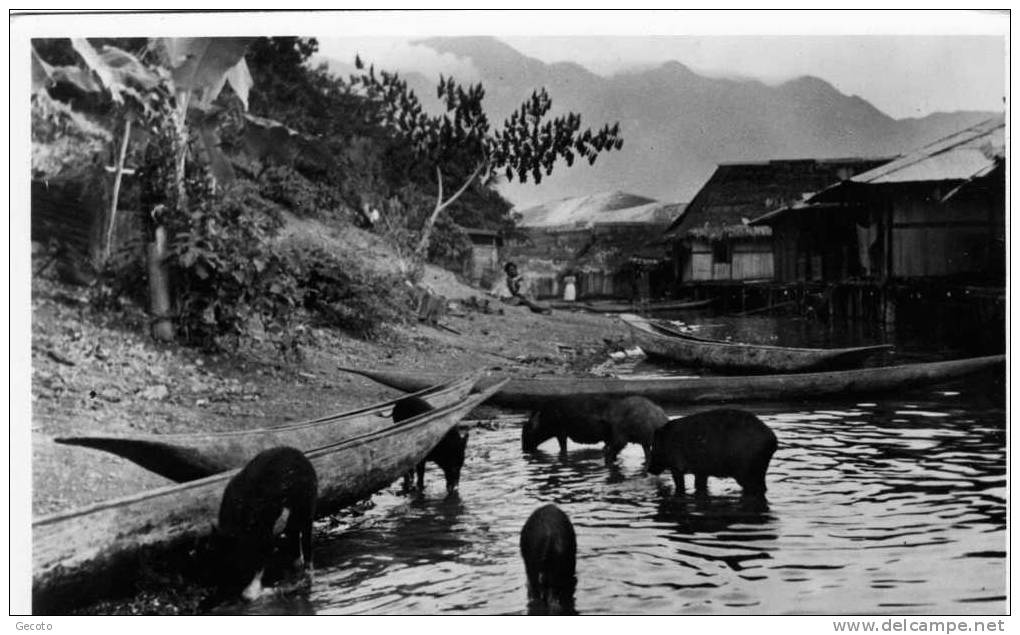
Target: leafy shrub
<point>343,294</point>
<point>288,187</point>
<point>233,281</point>
<point>223,269</point>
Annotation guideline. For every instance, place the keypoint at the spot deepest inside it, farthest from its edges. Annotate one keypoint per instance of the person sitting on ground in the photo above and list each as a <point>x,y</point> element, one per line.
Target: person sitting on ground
<point>511,290</point>
<point>513,279</point>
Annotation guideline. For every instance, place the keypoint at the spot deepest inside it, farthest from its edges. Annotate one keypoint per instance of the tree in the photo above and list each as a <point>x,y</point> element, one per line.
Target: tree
<point>179,88</point>
<point>462,142</point>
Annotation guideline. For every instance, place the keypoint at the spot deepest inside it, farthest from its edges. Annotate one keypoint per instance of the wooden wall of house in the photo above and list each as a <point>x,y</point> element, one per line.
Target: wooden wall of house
<point>815,249</point>
<point>785,237</point>
<point>483,261</point>
<point>752,260</point>
<point>932,239</point>
<point>749,260</point>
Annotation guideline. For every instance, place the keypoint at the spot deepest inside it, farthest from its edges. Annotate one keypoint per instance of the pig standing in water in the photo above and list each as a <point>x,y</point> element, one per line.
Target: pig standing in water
<point>616,422</point>
<point>549,549</point>
<point>723,442</point>
<point>273,494</point>
<point>448,453</point>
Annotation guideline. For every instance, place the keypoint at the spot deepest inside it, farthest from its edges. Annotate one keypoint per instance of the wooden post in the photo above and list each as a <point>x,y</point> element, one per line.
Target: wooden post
<point>118,175</point>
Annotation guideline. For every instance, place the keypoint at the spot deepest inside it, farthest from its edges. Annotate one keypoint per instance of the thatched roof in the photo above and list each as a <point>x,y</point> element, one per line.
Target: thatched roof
<point>64,142</point>
<point>729,231</point>
<point>739,192</point>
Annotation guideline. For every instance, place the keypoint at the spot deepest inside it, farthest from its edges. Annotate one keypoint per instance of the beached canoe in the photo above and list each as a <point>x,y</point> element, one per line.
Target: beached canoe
<point>526,393</point>
<point>695,351</point>
<point>660,307</point>
<point>84,554</point>
<point>191,456</point>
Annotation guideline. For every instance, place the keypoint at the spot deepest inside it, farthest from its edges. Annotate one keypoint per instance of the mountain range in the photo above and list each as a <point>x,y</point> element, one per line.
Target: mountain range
<point>678,125</point>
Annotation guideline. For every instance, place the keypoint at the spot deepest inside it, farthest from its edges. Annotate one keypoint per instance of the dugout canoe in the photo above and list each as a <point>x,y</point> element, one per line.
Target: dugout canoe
<point>658,341</point>
<point>525,393</point>
<point>679,305</point>
<point>191,456</point>
<point>85,554</point>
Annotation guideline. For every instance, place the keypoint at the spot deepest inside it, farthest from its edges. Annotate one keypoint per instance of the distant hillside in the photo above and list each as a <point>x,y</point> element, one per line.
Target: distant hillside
<point>604,207</point>
<point>678,125</point>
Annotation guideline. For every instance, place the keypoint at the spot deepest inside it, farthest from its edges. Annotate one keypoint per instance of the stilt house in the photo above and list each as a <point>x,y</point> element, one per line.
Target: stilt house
<point>936,212</point>
<point>714,240</point>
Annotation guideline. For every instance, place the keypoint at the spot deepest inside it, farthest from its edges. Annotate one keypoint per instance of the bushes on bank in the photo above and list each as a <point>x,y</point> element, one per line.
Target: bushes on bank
<point>233,282</point>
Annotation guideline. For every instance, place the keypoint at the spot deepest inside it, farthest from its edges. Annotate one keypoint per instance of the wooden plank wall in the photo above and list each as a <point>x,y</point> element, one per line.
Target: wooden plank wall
<point>749,260</point>
<point>939,240</point>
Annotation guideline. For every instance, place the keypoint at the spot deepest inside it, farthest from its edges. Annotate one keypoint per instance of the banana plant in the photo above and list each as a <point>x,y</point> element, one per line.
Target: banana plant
<point>194,71</point>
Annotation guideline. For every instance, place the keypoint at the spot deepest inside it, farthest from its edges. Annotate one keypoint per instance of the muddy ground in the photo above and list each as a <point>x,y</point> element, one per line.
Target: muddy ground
<point>100,373</point>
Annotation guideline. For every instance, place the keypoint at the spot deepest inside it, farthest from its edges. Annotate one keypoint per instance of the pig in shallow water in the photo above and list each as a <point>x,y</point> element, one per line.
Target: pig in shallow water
<point>615,421</point>
<point>723,442</point>
<point>448,453</point>
<point>272,496</point>
<point>549,549</point>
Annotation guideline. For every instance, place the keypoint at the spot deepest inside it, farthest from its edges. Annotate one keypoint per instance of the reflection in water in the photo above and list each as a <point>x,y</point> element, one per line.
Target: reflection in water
<point>892,504</point>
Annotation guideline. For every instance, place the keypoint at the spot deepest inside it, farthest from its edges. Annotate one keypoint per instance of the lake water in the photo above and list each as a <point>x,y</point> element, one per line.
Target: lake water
<point>892,505</point>
<point>875,505</point>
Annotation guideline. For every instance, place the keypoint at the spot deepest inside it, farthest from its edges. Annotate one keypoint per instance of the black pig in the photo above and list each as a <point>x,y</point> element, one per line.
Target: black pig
<point>272,496</point>
<point>448,453</point>
<point>723,442</point>
<point>616,422</point>
<point>549,549</point>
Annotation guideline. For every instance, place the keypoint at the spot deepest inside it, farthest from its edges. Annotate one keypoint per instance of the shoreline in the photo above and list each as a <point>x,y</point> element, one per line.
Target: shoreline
<point>99,373</point>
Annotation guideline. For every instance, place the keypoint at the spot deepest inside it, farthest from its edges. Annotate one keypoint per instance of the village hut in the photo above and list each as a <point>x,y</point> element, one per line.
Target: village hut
<point>481,264</point>
<point>935,212</point>
<point>714,240</point>
<point>609,244</point>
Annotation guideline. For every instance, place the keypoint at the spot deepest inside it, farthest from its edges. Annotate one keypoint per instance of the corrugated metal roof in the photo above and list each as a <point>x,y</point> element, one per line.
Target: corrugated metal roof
<point>959,156</point>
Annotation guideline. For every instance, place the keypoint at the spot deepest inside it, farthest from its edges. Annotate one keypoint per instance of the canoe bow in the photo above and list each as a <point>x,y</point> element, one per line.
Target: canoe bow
<point>84,554</point>
<point>190,456</point>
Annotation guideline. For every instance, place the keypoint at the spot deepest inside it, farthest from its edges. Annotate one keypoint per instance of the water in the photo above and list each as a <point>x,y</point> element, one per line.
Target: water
<point>885,506</point>
<point>891,505</point>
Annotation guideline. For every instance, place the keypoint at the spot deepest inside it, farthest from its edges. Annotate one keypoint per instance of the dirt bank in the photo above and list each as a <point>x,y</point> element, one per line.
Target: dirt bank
<point>98,373</point>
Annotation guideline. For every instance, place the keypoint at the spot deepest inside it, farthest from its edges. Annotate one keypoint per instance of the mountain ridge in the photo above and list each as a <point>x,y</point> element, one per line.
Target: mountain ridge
<point>678,125</point>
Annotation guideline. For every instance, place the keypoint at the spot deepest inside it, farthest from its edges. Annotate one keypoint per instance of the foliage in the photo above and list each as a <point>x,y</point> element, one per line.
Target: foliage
<point>462,142</point>
<point>449,245</point>
<point>63,141</point>
<point>342,293</point>
<point>289,188</point>
<point>528,143</point>
<point>232,280</point>
<point>223,269</point>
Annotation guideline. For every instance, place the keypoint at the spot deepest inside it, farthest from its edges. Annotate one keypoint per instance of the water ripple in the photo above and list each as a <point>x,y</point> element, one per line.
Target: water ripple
<point>870,504</point>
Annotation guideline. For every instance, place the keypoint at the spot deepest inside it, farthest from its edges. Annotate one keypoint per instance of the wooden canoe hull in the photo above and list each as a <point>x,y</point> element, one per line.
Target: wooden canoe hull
<point>737,357</point>
<point>647,308</point>
<point>526,393</point>
<point>191,456</point>
<point>83,554</point>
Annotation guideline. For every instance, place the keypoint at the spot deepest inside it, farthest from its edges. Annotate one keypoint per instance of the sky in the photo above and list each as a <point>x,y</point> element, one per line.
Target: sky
<point>902,75</point>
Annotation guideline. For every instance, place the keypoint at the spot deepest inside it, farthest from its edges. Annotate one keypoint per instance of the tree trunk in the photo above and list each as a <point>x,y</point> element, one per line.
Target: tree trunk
<point>162,326</point>
<point>159,285</point>
<point>426,231</point>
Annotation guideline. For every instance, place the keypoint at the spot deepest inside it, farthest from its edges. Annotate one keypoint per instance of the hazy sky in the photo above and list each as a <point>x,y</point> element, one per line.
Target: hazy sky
<point>902,75</point>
